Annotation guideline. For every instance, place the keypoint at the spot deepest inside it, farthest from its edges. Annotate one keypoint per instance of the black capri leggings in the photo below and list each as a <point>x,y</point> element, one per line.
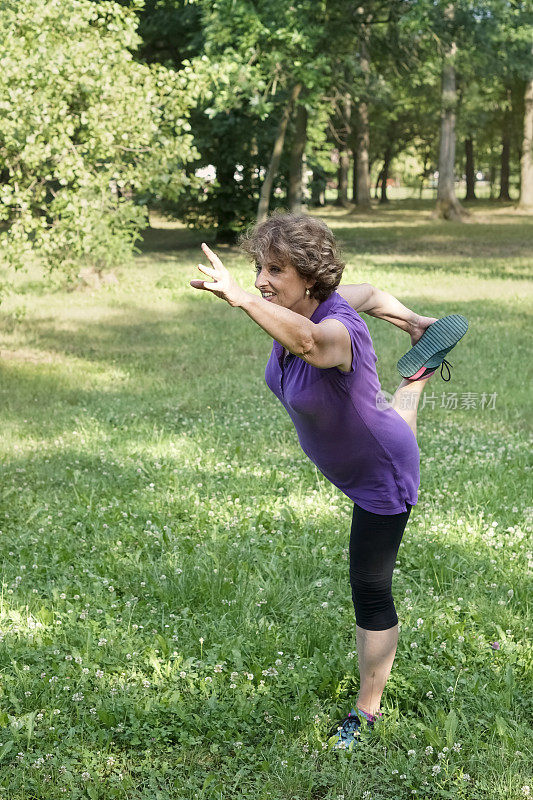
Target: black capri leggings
<point>374,543</point>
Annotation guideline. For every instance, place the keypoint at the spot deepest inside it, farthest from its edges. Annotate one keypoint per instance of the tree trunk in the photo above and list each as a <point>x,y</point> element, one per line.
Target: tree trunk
<point>363,129</point>
<point>492,179</point>
<point>425,173</point>
<point>344,154</point>
<point>342,179</point>
<point>266,188</point>
<point>226,232</point>
<point>385,175</point>
<point>505,152</point>
<point>296,163</point>
<point>318,188</point>
<point>526,162</point>
<point>448,206</point>
<point>354,177</point>
<point>504,166</point>
<point>378,181</point>
<point>469,170</point>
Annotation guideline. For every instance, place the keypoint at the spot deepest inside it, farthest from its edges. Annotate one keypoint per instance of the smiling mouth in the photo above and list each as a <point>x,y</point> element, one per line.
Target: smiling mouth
<point>267,295</point>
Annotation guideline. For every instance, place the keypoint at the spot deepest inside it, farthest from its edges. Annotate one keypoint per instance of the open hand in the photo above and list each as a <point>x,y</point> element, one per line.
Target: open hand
<point>222,284</point>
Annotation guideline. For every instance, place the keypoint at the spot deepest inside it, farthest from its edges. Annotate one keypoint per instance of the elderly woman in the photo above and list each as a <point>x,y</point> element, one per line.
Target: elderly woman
<point>323,370</point>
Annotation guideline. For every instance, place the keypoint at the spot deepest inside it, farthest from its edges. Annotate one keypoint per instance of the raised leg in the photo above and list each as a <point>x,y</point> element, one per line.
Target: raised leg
<point>406,399</point>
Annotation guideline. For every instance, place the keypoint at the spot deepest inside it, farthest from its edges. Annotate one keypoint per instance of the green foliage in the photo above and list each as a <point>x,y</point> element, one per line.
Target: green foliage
<point>87,134</point>
<point>251,57</point>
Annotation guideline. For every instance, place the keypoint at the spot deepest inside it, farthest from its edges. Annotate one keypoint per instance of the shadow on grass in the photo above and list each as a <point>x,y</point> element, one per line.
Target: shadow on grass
<point>174,367</point>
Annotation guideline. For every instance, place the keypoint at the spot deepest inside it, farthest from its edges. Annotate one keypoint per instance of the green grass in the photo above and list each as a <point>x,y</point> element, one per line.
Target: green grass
<point>176,617</point>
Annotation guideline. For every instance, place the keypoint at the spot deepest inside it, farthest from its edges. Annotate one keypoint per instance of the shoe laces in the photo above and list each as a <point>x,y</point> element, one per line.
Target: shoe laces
<point>347,727</point>
<point>448,365</point>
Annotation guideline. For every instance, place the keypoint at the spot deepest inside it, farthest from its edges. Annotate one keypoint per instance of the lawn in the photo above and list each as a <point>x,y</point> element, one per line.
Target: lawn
<point>176,617</point>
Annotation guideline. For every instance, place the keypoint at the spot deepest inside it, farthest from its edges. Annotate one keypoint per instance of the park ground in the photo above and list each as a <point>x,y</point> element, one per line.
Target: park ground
<point>176,618</point>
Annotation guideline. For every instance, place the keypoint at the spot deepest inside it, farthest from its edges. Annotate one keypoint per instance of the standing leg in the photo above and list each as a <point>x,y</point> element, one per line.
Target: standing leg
<point>374,543</point>
<point>375,652</point>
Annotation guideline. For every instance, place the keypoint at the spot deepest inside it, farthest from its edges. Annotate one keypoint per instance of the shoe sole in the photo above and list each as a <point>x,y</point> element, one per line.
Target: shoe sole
<point>441,335</point>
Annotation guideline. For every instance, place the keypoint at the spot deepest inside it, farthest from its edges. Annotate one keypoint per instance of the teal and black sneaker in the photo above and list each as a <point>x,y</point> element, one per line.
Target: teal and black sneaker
<point>428,353</point>
<point>344,735</point>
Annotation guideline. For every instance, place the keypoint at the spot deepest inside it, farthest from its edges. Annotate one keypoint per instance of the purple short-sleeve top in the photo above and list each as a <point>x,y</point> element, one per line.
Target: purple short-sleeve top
<point>344,424</point>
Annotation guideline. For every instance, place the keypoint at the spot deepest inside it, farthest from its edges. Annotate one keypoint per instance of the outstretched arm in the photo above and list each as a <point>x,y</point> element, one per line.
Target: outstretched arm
<point>325,345</point>
<point>365,297</point>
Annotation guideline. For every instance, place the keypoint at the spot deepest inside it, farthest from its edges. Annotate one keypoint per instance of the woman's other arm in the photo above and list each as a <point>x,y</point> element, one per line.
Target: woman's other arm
<point>365,297</point>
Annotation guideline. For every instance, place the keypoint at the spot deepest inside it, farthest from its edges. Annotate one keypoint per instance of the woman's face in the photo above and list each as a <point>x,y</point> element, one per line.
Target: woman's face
<point>284,286</point>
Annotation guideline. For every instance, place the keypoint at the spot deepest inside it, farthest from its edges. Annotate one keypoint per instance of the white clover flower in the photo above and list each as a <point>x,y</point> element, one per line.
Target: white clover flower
<point>411,752</point>
<point>436,769</point>
<point>429,750</point>
<point>456,746</point>
<point>525,791</point>
<point>208,679</point>
<point>466,776</point>
<point>430,695</point>
<point>217,668</point>
<point>414,644</point>
<point>183,674</point>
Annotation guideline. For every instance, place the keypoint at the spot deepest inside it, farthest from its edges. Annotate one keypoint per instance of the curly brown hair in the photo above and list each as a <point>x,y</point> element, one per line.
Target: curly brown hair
<point>304,242</point>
